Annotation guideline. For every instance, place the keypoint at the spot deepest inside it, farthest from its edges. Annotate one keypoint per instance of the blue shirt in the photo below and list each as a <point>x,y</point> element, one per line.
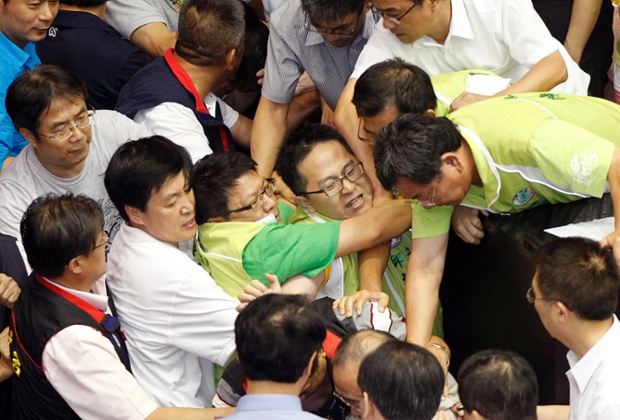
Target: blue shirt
<point>271,407</point>
<point>14,61</point>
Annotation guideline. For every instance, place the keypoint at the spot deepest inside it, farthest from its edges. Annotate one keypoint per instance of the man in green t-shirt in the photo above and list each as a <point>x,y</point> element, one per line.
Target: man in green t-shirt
<point>240,236</point>
<point>502,155</point>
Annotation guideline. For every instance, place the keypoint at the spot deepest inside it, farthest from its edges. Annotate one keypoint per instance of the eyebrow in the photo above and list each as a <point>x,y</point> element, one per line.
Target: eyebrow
<point>331,177</point>
<point>61,123</point>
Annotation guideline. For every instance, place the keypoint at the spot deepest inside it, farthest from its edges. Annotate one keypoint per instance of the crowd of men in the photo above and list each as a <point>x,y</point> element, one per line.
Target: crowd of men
<point>241,208</point>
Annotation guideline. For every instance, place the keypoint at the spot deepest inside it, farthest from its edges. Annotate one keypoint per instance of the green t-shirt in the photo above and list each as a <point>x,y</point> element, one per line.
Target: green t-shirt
<point>530,149</point>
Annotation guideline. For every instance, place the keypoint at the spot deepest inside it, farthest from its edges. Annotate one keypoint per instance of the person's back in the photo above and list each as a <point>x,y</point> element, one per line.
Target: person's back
<point>82,42</point>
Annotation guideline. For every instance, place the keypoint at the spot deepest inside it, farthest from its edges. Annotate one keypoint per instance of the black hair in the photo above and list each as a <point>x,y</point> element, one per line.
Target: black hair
<point>581,274</point>
<point>215,176</point>
<point>209,29</point>
<point>84,3</point>
<point>327,11</point>
<point>32,93</point>
<point>140,168</point>
<point>55,229</point>
<point>297,147</point>
<point>498,384</point>
<point>393,82</point>
<point>403,380</point>
<point>411,147</point>
<point>276,335</point>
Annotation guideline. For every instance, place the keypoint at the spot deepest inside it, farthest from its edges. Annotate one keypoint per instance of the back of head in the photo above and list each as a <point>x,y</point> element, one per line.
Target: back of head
<point>56,229</point>
<point>499,385</point>
<point>393,82</point>
<point>215,177</point>
<point>324,11</point>
<point>411,147</point>
<point>355,347</point>
<point>403,380</point>
<point>297,147</point>
<point>32,92</point>
<point>84,3</point>
<point>141,167</point>
<point>580,274</point>
<point>209,30</point>
<point>276,335</point>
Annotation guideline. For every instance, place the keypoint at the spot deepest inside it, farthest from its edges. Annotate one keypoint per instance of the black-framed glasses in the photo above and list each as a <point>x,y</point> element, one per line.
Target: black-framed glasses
<point>366,140</point>
<point>392,19</point>
<point>429,201</point>
<point>335,186</point>
<point>341,399</point>
<point>270,190</point>
<point>83,121</point>
<point>309,26</point>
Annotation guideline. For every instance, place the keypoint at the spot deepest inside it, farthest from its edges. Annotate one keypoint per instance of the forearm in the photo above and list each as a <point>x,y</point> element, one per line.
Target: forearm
<point>542,77</point>
<point>268,132</point>
<point>583,18</point>
<point>424,274</point>
<point>154,38</point>
<point>375,226</point>
<point>6,163</point>
<point>613,178</point>
<point>178,413</point>
<point>372,263</point>
<point>552,412</point>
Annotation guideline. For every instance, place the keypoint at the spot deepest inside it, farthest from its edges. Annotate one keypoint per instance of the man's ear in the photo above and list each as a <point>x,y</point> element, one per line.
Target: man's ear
<point>367,6</point>
<point>231,59</point>
<point>368,409</point>
<point>29,136</point>
<point>306,204</point>
<point>75,265</point>
<point>562,312</point>
<point>452,160</point>
<point>308,369</point>
<point>475,415</point>
<point>430,113</point>
<point>134,215</point>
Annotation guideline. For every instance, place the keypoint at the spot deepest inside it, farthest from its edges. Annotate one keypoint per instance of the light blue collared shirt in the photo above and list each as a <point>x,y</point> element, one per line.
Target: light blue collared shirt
<point>270,407</point>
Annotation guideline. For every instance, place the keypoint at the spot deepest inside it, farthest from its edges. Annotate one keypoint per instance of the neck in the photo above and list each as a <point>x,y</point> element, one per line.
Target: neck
<point>443,18</point>
<point>583,335</point>
<point>468,159</point>
<point>98,11</point>
<point>205,78</point>
<point>269,387</point>
<point>73,282</point>
<point>62,172</point>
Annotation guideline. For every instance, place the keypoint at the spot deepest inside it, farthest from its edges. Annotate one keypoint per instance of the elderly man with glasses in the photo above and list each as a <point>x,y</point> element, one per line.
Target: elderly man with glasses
<point>69,146</point>
<point>240,237</point>
<point>323,38</point>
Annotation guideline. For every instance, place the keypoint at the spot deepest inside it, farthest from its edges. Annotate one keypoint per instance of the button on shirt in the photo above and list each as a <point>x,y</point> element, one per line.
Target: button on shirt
<point>292,49</point>
<point>14,61</point>
<point>595,379</point>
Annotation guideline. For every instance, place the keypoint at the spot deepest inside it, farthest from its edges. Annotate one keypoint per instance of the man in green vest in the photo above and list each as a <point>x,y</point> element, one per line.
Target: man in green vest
<point>240,236</point>
<point>502,155</point>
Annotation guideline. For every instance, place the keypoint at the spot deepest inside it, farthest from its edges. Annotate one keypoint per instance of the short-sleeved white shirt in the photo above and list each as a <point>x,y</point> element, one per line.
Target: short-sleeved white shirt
<point>178,322</point>
<point>503,36</point>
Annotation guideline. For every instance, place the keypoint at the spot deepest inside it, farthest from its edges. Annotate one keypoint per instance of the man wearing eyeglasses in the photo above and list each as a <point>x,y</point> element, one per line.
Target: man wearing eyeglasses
<point>69,146</point>
<point>575,292</point>
<point>240,237</point>
<point>442,36</point>
<point>321,37</point>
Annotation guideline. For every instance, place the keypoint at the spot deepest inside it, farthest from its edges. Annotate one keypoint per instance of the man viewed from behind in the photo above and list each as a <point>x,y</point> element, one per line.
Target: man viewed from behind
<point>278,340</point>
<point>498,385</point>
<point>575,292</point>
<point>400,381</point>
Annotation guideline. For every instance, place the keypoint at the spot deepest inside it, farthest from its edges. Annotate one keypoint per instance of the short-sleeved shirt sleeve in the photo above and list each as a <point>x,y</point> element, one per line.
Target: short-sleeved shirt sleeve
<point>288,250</point>
<point>426,223</point>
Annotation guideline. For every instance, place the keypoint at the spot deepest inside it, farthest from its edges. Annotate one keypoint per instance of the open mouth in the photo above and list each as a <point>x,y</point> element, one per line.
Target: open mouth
<point>356,201</point>
<point>190,223</point>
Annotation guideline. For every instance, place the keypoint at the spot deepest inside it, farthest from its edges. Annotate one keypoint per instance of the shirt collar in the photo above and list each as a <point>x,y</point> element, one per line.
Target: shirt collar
<point>15,56</point>
<point>582,370</point>
<point>459,23</point>
<point>315,38</point>
<point>77,19</point>
<point>269,402</point>
<point>98,301</point>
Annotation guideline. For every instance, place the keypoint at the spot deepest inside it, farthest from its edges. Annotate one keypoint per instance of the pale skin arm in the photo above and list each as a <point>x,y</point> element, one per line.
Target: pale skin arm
<point>372,263</point>
<point>346,122</point>
<point>241,131</point>
<point>374,227</point>
<point>6,369</point>
<point>154,38</point>
<point>163,413</point>
<point>613,177</point>
<point>268,134</point>
<point>9,291</point>
<point>424,273</point>
<point>583,18</point>
<point>542,77</point>
<point>552,412</point>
